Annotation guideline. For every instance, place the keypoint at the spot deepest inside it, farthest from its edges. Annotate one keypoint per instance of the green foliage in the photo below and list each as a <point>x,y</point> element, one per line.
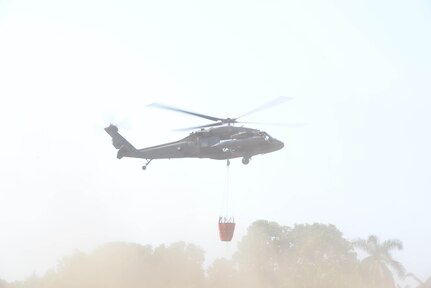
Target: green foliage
<point>304,256</point>
<point>319,256</point>
<point>126,265</point>
<point>269,255</point>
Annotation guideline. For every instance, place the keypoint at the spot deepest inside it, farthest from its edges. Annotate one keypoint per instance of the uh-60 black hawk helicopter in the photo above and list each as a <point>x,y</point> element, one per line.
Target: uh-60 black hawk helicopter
<point>209,141</point>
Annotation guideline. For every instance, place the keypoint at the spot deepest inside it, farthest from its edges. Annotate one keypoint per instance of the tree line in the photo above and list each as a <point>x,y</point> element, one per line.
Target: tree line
<point>269,255</point>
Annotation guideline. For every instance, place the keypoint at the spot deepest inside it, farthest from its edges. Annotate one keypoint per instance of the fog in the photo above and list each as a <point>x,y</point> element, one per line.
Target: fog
<point>357,74</point>
<point>269,255</point>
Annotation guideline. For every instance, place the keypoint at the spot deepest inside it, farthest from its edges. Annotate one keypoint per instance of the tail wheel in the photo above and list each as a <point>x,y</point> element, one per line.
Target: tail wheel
<point>146,164</point>
<point>245,160</point>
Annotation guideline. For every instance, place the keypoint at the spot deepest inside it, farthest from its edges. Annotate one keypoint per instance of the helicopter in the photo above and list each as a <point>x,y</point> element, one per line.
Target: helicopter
<point>220,140</point>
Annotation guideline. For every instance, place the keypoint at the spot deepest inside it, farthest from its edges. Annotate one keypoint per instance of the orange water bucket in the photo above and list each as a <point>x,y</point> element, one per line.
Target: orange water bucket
<point>226,227</point>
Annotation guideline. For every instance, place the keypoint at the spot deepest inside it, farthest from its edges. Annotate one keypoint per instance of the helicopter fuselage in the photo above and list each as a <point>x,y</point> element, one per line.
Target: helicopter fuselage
<point>221,143</point>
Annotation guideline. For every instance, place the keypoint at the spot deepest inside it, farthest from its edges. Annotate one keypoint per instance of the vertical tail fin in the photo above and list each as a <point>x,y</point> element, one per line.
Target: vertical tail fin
<point>124,147</point>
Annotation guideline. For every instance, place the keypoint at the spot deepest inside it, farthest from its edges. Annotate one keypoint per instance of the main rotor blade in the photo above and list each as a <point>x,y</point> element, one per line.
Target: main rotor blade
<point>162,106</point>
<point>272,103</point>
<point>276,124</point>
<point>198,127</point>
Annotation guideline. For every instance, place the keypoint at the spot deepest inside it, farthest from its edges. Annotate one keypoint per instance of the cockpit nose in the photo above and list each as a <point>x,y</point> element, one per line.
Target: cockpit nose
<point>277,144</point>
<point>280,144</point>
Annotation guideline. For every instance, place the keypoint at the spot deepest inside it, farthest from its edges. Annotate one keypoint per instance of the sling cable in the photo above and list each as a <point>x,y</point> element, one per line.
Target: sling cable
<point>226,224</point>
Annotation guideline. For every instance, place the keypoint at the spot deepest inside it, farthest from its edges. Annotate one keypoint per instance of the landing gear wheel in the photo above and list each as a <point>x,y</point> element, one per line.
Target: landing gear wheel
<point>245,160</point>
<point>146,164</point>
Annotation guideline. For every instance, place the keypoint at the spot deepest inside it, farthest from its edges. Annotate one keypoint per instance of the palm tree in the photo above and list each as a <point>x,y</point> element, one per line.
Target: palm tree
<point>376,267</point>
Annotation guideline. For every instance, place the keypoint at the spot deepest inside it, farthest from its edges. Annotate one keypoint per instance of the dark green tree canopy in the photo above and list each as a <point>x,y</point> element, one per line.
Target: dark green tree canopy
<point>315,255</point>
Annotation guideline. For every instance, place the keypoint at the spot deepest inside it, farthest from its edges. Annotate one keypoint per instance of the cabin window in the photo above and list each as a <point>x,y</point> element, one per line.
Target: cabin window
<point>209,141</point>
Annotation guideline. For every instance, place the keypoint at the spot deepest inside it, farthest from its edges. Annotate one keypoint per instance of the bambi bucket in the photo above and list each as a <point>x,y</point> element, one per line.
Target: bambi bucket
<point>226,227</point>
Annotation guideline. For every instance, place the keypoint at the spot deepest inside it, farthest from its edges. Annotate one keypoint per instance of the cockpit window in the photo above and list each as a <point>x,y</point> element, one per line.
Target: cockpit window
<point>265,136</point>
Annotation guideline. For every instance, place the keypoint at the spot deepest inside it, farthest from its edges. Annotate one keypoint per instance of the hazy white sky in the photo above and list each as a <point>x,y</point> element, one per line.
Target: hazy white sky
<point>359,73</point>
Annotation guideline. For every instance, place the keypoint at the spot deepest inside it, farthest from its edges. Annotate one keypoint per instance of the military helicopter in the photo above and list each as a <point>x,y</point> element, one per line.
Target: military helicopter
<point>220,140</point>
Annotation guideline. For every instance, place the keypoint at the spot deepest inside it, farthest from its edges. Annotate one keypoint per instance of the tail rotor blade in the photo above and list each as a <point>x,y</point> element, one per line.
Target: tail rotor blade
<point>117,120</point>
